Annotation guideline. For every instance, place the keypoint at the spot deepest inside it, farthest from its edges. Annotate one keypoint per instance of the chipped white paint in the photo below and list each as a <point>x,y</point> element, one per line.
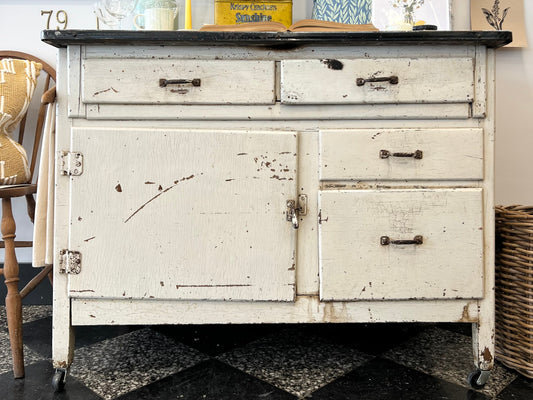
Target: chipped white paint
<point>418,80</point>
<point>354,265</point>
<point>162,243</point>
<point>444,154</point>
<point>184,214</point>
<point>138,82</point>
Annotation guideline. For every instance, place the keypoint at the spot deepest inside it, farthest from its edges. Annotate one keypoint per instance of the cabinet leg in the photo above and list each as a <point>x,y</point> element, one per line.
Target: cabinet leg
<point>483,342</point>
<point>62,331</point>
<point>13,299</point>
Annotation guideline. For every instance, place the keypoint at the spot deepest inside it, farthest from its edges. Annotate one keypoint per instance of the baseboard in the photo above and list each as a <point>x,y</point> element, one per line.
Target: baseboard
<point>41,295</point>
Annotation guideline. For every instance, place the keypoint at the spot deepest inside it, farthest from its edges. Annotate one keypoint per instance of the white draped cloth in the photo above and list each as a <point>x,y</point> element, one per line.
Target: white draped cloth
<point>43,232</point>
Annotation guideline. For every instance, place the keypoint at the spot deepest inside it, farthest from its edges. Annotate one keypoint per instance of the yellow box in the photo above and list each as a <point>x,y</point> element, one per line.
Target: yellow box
<point>229,12</point>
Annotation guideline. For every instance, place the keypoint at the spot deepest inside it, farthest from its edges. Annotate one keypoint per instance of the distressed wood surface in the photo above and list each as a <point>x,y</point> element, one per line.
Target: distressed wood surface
<point>446,154</point>
<point>306,309</point>
<point>138,81</point>
<point>149,228</point>
<point>355,266</point>
<point>420,80</point>
<point>184,214</point>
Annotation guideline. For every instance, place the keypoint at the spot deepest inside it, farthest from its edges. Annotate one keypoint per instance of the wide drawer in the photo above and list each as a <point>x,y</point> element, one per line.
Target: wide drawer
<point>148,81</point>
<point>392,154</point>
<point>440,255</point>
<point>384,80</point>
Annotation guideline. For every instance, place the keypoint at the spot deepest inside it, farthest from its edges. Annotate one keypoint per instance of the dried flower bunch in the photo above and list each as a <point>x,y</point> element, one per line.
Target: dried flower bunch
<point>493,16</point>
<point>409,6</point>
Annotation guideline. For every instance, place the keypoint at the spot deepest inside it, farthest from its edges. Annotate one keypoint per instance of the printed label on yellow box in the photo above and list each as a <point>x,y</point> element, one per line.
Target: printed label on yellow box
<point>239,12</point>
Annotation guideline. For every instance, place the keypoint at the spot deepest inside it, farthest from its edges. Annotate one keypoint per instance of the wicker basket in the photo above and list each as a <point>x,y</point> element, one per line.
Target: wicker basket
<point>514,287</point>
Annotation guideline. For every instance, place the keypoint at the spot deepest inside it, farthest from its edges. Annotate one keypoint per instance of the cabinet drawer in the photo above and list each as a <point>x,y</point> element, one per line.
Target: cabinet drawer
<point>147,81</point>
<point>400,80</point>
<point>357,154</point>
<point>357,264</point>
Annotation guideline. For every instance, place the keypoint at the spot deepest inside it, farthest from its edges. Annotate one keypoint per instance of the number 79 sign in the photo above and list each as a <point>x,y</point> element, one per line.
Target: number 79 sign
<point>53,18</point>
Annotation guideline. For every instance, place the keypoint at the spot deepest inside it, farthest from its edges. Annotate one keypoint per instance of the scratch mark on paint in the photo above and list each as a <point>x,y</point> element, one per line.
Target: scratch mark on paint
<point>149,183</point>
<point>106,90</point>
<point>159,194</point>
<point>320,220</point>
<point>82,291</point>
<point>211,286</point>
<point>91,238</point>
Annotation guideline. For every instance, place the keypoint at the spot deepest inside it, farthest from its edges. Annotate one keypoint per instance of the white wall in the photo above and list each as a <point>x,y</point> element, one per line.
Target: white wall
<point>21,22</point>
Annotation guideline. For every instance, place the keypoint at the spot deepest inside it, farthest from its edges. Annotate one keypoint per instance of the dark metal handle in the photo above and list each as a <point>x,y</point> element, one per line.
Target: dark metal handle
<point>418,154</point>
<point>385,240</point>
<point>393,80</point>
<point>165,82</point>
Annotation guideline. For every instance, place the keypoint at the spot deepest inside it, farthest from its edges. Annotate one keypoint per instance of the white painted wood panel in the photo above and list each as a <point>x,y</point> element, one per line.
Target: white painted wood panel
<point>306,309</point>
<point>138,81</point>
<point>420,80</point>
<point>446,154</point>
<point>184,214</point>
<point>354,265</point>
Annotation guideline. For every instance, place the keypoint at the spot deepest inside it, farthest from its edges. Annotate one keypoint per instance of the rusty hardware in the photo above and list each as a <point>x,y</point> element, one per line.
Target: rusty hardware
<point>193,82</point>
<point>418,154</point>
<point>393,80</point>
<point>69,262</point>
<point>70,163</point>
<point>294,210</point>
<point>385,241</point>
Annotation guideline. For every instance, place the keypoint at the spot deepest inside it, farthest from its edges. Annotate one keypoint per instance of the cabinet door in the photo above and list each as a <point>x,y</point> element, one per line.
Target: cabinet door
<point>183,214</point>
<point>368,249</point>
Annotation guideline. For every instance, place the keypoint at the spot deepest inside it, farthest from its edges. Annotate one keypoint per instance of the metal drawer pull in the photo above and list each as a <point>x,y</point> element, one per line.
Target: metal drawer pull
<point>393,80</point>
<point>165,82</point>
<point>418,154</point>
<point>385,240</point>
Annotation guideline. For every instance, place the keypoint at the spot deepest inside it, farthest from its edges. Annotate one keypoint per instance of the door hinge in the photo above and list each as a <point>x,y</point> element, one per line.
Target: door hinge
<point>296,209</point>
<point>69,262</point>
<point>71,163</point>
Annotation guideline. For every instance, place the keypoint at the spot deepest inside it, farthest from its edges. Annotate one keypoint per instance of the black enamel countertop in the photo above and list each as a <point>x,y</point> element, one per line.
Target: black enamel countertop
<point>63,38</point>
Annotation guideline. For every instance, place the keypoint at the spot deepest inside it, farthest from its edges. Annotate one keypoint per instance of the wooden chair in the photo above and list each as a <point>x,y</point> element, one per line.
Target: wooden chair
<point>11,267</point>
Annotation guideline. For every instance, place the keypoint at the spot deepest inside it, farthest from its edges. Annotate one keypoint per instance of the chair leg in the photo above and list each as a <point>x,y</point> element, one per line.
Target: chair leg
<point>13,299</point>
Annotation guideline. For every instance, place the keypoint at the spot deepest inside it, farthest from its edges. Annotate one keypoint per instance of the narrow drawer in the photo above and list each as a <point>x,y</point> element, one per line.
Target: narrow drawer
<point>393,154</point>
<point>149,81</point>
<point>364,81</point>
<point>441,255</point>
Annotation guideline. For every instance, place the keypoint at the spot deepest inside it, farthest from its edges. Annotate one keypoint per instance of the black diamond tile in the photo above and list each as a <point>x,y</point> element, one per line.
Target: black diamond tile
<point>369,338</point>
<point>462,328</point>
<point>520,389</point>
<point>385,380</point>
<point>37,385</point>
<point>209,380</point>
<point>88,335</point>
<point>37,335</point>
<point>216,339</point>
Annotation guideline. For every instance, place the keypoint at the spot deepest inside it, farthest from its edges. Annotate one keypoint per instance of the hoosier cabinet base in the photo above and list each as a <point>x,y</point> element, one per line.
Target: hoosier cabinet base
<point>256,177</point>
<point>306,309</point>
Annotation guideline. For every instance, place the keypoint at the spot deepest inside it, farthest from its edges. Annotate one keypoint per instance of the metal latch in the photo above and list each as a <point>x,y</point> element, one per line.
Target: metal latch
<point>71,163</point>
<point>69,262</point>
<point>295,210</point>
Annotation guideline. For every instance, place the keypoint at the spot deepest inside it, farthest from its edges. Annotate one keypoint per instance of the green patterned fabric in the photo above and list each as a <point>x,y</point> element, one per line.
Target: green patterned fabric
<point>345,11</point>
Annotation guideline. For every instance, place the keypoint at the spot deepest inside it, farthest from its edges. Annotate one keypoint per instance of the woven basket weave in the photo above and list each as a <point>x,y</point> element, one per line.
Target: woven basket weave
<point>514,287</point>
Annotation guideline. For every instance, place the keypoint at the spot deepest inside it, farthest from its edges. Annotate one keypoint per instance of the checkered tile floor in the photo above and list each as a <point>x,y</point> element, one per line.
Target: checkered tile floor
<point>264,362</point>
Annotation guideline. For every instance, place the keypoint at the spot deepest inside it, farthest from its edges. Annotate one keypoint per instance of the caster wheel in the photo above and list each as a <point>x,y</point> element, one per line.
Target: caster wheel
<point>478,379</point>
<point>58,380</point>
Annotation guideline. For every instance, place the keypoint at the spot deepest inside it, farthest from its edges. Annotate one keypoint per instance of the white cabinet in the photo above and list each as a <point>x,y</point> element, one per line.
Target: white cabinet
<point>265,178</point>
